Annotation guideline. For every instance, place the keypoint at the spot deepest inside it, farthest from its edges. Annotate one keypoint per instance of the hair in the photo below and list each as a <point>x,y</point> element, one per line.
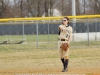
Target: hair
<point>67,20</point>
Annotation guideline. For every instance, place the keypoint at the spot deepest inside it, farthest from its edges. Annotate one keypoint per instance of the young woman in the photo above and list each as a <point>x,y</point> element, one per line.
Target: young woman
<point>65,35</point>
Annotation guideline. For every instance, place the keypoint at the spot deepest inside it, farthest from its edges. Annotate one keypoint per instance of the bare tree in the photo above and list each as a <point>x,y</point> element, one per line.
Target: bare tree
<point>21,7</point>
<point>5,11</point>
<point>2,8</point>
<point>96,7</point>
<point>38,8</point>
<point>77,7</point>
<point>62,7</point>
<point>51,7</point>
<point>29,8</point>
<point>67,6</point>
<point>84,7</point>
<point>34,8</point>
<point>46,5</point>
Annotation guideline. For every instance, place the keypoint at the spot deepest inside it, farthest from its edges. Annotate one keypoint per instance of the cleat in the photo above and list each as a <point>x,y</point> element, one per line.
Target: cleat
<point>65,70</point>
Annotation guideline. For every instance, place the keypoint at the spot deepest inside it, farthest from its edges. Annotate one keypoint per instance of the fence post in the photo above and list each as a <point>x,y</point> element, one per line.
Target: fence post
<point>88,32</point>
<point>23,32</point>
<point>37,33</point>
<point>48,31</point>
<point>74,28</point>
<point>73,32</point>
<point>95,30</point>
<point>10,39</point>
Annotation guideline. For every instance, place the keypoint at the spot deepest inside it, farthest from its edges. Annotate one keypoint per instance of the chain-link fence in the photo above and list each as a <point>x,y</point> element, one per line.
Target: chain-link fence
<point>44,33</point>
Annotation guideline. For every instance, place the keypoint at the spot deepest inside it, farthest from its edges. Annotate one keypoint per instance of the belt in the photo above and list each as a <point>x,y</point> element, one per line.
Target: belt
<point>62,39</point>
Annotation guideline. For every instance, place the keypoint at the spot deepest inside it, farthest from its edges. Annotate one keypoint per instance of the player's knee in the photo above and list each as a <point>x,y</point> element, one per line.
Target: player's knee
<point>66,57</point>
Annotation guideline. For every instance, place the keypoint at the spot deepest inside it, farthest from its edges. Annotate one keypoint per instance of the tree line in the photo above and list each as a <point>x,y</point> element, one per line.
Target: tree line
<point>36,8</point>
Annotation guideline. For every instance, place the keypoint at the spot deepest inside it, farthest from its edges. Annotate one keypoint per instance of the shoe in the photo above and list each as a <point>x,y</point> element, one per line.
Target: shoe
<point>65,65</point>
<point>64,70</point>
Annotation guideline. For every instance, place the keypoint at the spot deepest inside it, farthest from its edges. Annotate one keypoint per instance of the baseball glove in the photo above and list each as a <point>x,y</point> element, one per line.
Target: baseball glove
<point>64,46</point>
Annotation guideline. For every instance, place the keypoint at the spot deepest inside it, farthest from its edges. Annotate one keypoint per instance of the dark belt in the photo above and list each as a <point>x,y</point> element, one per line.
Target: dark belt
<point>62,39</point>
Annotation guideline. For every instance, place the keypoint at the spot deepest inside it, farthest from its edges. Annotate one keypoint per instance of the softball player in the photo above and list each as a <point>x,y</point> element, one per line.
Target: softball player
<point>65,35</point>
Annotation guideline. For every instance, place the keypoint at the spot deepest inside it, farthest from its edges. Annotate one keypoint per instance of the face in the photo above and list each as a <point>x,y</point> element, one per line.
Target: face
<point>64,21</point>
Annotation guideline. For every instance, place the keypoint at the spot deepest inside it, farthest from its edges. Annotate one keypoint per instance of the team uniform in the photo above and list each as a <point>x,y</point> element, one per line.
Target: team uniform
<point>65,35</point>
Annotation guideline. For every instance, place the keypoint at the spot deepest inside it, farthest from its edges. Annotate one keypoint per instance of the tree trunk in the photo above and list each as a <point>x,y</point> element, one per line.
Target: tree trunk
<point>29,8</point>
<point>38,8</point>
<point>21,7</point>
<point>62,7</point>
<point>1,8</point>
<point>84,7</point>
<point>77,7</point>
<point>46,7</point>
<point>51,7</point>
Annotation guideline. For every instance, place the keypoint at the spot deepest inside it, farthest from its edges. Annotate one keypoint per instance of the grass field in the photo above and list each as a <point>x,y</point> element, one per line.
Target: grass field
<point>27,59</point>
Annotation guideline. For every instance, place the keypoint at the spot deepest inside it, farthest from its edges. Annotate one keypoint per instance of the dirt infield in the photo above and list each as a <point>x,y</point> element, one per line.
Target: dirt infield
<point>36,62</point>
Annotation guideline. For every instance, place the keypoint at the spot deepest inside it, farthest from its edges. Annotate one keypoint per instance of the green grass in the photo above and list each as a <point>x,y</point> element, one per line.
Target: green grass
<point>40,38</point>
<point>30,38</point>
<point>47,42</point>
